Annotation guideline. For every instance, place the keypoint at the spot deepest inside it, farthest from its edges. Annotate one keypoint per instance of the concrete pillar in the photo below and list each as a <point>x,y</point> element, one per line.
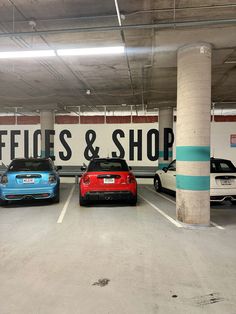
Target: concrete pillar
<point>47,129</point>
<point>165,121</point>
<point>193,134</point>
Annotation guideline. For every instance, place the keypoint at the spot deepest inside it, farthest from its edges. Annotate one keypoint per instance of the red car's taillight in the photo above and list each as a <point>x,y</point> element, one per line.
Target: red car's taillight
<point>131,179</point>
<point>86,179</point>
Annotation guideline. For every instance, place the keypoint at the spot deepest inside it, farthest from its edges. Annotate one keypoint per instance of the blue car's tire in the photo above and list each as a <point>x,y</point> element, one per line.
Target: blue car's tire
<point>3,202</point>
<point>56,198</point>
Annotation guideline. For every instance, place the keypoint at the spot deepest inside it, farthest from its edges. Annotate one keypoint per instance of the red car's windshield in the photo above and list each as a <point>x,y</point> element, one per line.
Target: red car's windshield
<point>108,165</point>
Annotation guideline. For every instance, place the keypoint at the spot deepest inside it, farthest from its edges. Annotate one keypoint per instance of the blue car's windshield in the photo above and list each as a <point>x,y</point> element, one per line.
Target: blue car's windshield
<point>30,165</point>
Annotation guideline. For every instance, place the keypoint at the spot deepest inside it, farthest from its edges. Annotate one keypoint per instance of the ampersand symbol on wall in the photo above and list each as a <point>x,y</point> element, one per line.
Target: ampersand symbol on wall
<point>90,152</point>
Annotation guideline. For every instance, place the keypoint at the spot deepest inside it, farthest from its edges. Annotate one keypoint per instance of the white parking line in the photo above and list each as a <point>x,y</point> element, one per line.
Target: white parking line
<point>165,197</point>
<point>217,226</point>
<point>176,223</point>
<point>172,201</point>
<point>64,209</point>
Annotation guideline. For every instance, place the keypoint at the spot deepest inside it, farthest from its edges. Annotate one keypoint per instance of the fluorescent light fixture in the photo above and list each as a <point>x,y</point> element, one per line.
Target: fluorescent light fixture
<point>230,62</point>
<point>91,51</point>
<point>27,54</point>
<point>61,52</point>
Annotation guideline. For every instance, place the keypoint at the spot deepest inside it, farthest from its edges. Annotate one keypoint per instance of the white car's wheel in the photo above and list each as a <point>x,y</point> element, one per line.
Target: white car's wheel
<point>157,184</point>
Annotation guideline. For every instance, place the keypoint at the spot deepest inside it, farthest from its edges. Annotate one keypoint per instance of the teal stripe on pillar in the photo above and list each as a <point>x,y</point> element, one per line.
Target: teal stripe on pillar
<point>161,153</point>
<point>161,165</point>
<point>193,153</point>
<point>193,183</point>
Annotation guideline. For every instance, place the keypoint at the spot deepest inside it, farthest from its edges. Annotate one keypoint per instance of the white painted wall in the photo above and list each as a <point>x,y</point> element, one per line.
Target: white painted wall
<point>220,141</point>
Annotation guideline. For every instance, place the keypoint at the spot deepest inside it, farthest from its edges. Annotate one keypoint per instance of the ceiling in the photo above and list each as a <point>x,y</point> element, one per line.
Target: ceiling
<point>144,77</point>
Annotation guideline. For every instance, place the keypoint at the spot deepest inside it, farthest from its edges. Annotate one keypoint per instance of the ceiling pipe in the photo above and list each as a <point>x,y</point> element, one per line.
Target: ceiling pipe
<point>124,42</point>
<point>158,26</point>
<point>127,14</point>
<point>187,8</point>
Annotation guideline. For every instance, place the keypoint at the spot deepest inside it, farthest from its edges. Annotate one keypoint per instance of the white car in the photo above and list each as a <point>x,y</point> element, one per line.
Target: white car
<point>222,180</point>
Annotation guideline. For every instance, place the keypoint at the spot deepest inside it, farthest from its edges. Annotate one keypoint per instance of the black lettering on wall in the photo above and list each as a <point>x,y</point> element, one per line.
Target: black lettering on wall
<point>168,141</point>
<point>153,133</point>
<point>91,152</point>
<point>37,133</point>
<point>14,144</point>
<point>26,143</point>
<point>2,144</point>
<point>133,144</point>
<point>67,156</point>
<point>115,134</point>
<point>49,144</point>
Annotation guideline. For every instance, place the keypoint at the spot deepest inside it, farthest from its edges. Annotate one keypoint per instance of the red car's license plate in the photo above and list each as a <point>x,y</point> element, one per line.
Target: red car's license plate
<point>108,180</point>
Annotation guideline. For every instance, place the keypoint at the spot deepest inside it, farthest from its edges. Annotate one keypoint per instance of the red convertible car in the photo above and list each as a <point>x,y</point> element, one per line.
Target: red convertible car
<point>108,179</point>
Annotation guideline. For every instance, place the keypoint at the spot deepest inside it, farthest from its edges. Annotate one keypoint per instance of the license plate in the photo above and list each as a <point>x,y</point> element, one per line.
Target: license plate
<point>28,180</point>
<point>108,180</point>
<point>226,182</point>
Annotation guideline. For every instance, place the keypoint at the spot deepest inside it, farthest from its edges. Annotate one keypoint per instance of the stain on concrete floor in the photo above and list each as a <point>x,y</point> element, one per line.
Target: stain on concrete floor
<point>207,299</point>
<point>101,282</point>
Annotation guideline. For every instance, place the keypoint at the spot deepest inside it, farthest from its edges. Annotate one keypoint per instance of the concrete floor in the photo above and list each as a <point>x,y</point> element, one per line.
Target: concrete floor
<point>152,265</point>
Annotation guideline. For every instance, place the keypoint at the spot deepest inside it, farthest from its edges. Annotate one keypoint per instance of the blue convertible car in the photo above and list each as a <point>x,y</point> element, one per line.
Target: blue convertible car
<point>30,178</point>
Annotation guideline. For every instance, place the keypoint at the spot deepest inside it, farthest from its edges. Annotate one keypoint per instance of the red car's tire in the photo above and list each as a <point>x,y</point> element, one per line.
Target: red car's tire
<point>133,201</point>
<point>82,200</point>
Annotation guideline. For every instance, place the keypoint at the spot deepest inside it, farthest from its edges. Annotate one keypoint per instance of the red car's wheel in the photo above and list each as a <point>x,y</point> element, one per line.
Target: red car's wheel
<point>82,200</point>
<point>133,201</point>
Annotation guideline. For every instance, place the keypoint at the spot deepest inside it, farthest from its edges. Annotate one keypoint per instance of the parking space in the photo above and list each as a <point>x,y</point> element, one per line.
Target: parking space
<point>146,263</point>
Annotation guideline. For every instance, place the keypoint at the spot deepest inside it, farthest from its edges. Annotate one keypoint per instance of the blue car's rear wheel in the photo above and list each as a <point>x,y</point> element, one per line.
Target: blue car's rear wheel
<point>56,198</point>
<point>3,202</point>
